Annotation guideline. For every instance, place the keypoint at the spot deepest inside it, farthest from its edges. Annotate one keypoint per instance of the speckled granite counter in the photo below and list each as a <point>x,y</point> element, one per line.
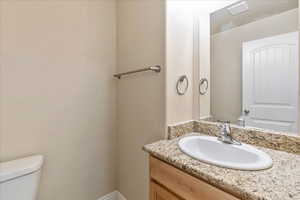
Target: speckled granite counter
<point>281,182</point>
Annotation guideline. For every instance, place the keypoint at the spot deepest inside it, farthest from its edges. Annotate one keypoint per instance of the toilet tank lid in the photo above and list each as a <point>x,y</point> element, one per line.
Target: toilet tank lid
<point>20,167</point>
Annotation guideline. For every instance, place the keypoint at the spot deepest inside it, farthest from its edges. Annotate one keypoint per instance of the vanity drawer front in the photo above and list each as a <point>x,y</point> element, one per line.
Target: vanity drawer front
<point>158,192</point>
<point>183,184</point>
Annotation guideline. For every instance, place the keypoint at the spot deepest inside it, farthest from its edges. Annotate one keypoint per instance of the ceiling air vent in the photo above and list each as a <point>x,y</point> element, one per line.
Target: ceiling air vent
<point>238,8</point>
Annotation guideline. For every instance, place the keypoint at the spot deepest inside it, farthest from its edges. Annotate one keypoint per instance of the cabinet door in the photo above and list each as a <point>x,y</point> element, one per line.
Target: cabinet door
<point>159,193</point>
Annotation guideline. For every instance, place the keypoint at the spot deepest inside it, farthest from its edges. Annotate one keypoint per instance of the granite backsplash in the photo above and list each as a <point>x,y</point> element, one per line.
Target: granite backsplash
<point>265,138</point>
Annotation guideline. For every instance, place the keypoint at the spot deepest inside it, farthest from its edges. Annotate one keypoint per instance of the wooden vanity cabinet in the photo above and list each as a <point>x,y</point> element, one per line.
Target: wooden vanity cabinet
<point>158,192</point>
<point>170,183</point>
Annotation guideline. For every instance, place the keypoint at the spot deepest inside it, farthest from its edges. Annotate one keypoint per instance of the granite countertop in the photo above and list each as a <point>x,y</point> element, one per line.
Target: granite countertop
<point>281,182</point>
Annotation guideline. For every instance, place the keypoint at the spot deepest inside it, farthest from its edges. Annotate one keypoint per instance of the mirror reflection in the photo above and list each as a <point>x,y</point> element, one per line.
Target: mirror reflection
<point>254,65</point>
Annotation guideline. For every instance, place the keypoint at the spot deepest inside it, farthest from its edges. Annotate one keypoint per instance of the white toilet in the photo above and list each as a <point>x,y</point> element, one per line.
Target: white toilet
<point>19,179</point>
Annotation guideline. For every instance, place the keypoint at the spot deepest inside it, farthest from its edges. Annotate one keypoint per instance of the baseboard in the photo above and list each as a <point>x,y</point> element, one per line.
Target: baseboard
<point>120,196</point>
<point>113,196</point>
<point>110,196</point>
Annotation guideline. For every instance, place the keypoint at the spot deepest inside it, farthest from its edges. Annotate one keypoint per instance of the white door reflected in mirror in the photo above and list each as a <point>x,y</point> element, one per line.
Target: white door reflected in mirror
<point>270,82</point>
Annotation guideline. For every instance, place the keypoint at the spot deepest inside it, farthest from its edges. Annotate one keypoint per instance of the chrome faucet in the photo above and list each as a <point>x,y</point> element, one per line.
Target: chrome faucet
<point>225,134</point>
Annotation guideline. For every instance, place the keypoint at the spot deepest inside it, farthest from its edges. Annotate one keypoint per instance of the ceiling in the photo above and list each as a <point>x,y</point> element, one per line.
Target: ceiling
<point>222,20</point>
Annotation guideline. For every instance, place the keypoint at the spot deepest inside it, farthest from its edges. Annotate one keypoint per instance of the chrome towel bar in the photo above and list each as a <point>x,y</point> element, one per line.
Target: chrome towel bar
<point>155,68</point>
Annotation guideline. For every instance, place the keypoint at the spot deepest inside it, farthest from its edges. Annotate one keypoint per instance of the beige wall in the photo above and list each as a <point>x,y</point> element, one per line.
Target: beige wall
<point>141,97</point>
<point>226,103</point>
<point>58,94</point>
<point>180,47</point>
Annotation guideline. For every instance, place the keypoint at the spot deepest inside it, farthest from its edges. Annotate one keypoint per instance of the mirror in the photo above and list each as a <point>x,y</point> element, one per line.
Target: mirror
<point>254,69</point>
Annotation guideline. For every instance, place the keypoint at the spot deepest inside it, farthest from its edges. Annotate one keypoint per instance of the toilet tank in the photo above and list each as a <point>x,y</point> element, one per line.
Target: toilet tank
<point>19,179</point>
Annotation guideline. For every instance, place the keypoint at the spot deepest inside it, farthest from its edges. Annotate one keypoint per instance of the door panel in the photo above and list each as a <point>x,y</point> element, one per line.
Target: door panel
<point>270,82</point>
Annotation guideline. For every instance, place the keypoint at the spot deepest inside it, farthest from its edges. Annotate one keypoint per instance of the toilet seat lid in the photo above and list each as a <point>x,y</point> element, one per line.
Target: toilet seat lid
<point>20,167</point>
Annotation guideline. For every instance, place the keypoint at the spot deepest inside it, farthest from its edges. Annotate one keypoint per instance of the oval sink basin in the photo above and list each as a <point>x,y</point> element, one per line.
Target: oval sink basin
<point>212,151</point>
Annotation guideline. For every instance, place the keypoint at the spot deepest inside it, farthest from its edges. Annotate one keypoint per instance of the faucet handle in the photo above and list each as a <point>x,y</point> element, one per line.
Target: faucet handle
<point>220,125</point>
<point>225,125</point>
<point>225,133</point>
